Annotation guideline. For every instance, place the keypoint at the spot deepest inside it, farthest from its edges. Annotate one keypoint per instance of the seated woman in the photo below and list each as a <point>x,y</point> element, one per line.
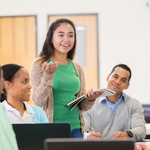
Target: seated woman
<point>15,93</point>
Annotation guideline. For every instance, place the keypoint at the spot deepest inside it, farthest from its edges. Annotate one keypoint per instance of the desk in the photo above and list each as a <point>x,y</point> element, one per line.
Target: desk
<point>146,141</point>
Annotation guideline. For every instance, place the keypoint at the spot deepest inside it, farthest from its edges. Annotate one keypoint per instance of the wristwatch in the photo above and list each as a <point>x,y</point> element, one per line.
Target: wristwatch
<point>130,134</point>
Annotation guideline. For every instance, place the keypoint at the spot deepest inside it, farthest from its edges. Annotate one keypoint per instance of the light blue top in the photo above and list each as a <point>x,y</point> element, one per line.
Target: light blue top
<point>112,106</point>
<point>39,116</point>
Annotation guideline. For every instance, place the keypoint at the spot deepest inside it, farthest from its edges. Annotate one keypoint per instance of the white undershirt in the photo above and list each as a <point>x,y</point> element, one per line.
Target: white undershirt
<point>14,115</point>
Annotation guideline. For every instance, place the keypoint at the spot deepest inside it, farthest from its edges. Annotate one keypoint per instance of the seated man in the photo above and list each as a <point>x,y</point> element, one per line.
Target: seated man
<point>7,136</point>
<point>117,116</point>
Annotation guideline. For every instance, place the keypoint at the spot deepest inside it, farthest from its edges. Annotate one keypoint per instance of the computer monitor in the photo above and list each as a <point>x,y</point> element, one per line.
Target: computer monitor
<point>78,144</point>
<point>32,136</point>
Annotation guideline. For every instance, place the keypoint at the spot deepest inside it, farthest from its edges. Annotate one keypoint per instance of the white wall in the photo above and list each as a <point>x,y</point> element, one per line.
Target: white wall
<point>124,33</point>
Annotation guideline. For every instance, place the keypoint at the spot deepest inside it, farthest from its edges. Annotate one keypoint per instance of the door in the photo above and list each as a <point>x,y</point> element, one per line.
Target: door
<point>18,41</point>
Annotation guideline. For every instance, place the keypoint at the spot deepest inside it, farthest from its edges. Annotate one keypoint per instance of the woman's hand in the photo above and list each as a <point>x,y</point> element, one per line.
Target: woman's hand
<point>51,68</point>
<point>91,96</point>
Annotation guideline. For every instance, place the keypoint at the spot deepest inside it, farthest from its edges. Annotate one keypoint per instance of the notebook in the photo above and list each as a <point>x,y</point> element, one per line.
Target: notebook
<point>78,144</point>
<point>32,136</point>
<point>106,92</point>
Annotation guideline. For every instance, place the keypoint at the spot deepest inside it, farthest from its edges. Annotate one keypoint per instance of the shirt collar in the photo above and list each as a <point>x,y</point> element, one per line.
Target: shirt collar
<point>29,108</point>
<point>103,99</point>
<point>9,107</point>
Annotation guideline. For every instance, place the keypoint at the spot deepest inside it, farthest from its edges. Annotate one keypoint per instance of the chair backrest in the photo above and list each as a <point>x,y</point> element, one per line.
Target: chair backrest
<point>146,108</point>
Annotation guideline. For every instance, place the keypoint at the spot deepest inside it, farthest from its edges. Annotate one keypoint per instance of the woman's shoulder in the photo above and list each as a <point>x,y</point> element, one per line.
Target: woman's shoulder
<point>37,61</point>
<point>78,68</point>
<point>36,108</point>
<point>77,65</point>
<point>36,65</point>
<point>2,106</point>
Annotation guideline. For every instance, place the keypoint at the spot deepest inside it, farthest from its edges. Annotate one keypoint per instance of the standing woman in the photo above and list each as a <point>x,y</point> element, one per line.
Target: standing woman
<point>15,93</point>
<point>61,81</point>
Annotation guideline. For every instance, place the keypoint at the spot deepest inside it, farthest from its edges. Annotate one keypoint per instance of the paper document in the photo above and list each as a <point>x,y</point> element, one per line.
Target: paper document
<point>107,92</point>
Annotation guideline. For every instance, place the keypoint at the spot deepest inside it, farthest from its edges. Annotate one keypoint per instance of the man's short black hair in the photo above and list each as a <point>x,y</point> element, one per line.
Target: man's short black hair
<point>124,67</point>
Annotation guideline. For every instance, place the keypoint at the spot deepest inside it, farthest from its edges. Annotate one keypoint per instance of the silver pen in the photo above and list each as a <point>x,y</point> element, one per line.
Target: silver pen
<point>92,129</point>
<point>46,66</point>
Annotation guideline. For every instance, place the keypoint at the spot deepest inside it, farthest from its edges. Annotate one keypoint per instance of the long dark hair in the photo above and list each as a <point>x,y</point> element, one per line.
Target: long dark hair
<point>9,71</point>
<point>48,48</point>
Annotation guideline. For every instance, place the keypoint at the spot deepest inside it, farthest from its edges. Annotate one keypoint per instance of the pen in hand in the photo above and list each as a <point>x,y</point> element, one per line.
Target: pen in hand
<point>92,129</point>
<point>93,134</point>
<point>46,66</point>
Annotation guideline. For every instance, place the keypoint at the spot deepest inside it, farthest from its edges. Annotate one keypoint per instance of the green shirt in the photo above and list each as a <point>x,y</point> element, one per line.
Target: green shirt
<point>66,85</point>
<point>7,135</point>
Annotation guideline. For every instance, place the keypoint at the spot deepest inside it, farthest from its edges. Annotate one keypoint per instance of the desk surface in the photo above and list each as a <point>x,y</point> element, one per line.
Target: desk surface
<point>146,141</point>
